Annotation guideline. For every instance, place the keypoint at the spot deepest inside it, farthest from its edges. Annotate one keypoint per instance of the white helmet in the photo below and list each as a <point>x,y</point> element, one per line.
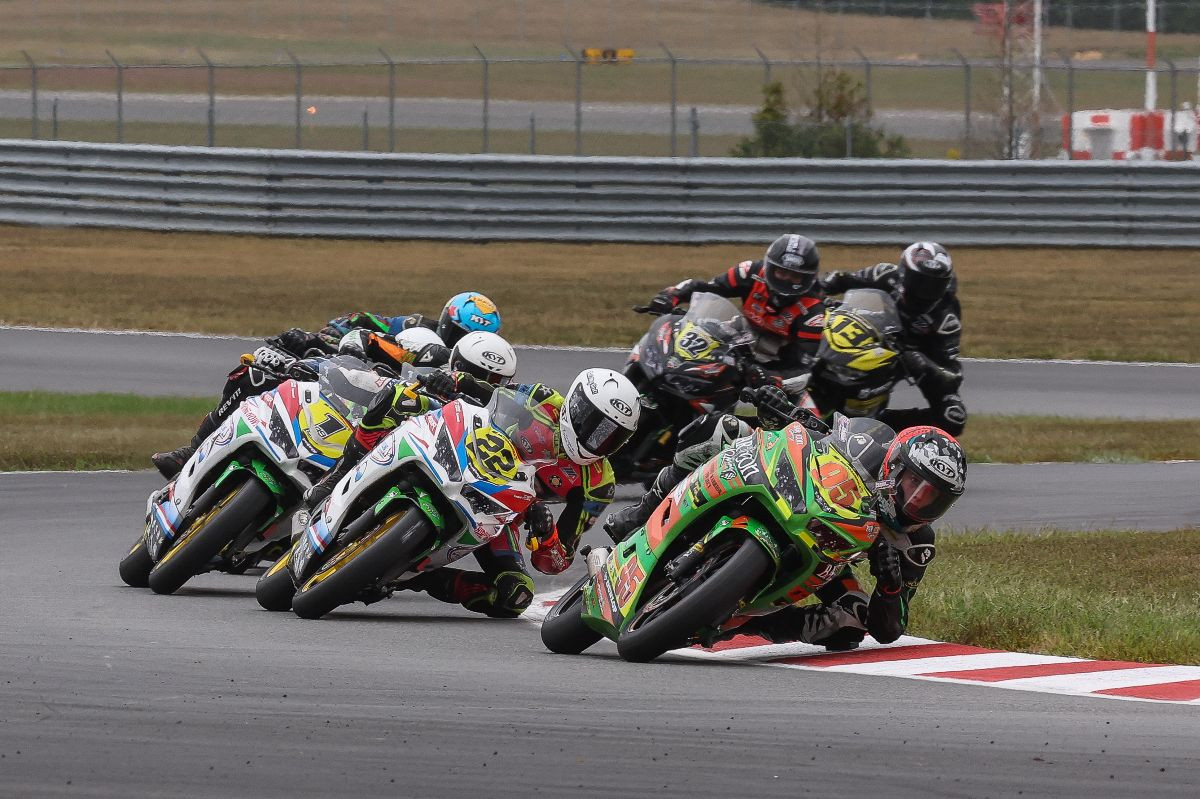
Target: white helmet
<point>354,343</point>
<point>486,356</point>
<point>414,338</point>
<point>599,414</point>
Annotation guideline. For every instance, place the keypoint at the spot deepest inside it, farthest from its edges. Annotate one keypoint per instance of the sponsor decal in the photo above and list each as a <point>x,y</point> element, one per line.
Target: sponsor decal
<point>745,457</point>
<point>386,450</point>
<point>628,580</point>
<point>483,303</point>
<point>495,357</point>
<point>225,434</point>
<point>950,324</point>
<point>621,406</point>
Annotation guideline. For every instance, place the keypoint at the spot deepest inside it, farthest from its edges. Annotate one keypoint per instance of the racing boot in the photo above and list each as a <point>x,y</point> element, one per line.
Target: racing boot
<point>320,492</point>
<point>170,464</point>
<point>620,524</point>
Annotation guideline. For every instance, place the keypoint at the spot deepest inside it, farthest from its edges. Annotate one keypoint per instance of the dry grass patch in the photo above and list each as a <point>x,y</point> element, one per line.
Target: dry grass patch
<point>1033,439</point>
<point>151,30</point>
<point>1119,595</point>
<point>1040,303</point>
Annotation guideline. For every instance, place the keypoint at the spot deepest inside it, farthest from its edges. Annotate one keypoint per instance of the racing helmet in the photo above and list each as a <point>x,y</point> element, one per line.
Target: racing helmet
<point>466,312</point>
<point>354,343</point>
<point>924,473</point>
<point>925,275</point>
<point>599,414</point>
<point>485,356</point>
<point>790,267</point>
<point>414,338</point>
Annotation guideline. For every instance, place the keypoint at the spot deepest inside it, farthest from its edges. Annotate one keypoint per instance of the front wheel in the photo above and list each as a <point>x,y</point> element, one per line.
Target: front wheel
<point>563,630</point>
<point>670,617</point>
<point>275,589</point>
<point>362,564</point>
<point>136,566</point>
<point>211,532</point>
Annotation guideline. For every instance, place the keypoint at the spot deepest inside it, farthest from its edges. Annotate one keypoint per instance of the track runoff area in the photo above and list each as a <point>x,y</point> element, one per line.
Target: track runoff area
<point>922,659</point>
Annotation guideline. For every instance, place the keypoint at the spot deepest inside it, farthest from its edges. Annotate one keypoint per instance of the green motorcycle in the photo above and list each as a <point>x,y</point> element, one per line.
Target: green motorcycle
<point>760,526</point>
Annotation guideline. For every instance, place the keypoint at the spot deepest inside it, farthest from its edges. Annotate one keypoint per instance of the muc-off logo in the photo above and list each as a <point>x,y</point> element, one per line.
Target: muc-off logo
<point>621,406</point>
<point>494,357</point>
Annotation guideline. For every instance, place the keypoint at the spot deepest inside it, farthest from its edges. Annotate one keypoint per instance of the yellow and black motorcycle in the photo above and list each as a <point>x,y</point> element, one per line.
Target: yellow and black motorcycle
<point>858,361</point>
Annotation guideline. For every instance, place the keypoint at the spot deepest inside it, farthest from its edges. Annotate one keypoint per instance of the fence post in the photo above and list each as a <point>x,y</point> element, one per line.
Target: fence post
<point>1174,101</point>
<point>483,59</point>
<point>54,119</point>
<point>866,62</point>
<point>532,133</point>
<point>966,102</point>
<point>849,138</point>
<point>578,100</point>
<point>694,125</point>
<point>391,100</point>
<point>120,97</point>
<point>766,65</point>
<point>212,98</point>
<point>674,95</point>
<point>1070,105</point>
<point>366,131</point>
<point>33,92</point>
<point>299,94</point>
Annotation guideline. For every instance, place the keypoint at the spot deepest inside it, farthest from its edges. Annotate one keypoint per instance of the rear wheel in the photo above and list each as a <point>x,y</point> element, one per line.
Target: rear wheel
<point>671,616</point>
<point>135,568</point>
<point>275,589</point>
<point>208,534</point>
<point>394,543</point>
<point>563,630</point>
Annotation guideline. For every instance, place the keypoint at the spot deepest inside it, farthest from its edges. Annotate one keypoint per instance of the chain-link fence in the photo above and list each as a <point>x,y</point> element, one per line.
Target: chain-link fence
<point>659,104</point>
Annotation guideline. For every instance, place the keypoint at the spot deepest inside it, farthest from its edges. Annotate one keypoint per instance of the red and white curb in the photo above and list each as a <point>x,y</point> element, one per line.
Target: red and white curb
<point>922,659</point>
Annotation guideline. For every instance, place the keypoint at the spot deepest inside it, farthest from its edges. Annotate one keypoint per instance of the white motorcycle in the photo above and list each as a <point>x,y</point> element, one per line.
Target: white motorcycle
<point>228,508</point>
<point>435,489</point>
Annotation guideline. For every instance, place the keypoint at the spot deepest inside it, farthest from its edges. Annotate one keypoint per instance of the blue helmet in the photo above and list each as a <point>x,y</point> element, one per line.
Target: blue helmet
<point>465,313</point>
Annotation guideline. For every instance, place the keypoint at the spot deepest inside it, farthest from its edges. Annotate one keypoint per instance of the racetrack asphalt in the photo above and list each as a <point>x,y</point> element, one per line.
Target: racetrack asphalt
<point>145,363</point>
<point>113,691</point>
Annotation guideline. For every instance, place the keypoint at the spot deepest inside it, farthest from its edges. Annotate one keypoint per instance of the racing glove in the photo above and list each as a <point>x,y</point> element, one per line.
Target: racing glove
<point>832,283</point>
<point>885,567</point>
<point>775,410</point>
<point>294,341</point>
<point>439,384</point>
<point>923,369</point>
<point>272,360</point>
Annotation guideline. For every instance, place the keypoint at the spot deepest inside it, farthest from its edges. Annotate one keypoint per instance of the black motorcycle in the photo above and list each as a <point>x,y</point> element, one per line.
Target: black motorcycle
<point>687,364</point>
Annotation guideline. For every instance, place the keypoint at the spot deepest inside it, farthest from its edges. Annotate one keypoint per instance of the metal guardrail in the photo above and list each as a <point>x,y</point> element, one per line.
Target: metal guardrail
<point>559,198</point>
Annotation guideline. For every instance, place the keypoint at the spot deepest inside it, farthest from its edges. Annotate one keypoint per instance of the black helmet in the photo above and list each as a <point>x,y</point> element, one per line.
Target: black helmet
<point>925,274</point>
<point>924,472</point>
<point>790,266</point>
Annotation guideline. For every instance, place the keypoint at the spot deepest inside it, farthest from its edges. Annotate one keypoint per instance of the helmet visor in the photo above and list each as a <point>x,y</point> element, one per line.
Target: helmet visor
<point>474,370</point>
<point>597,434</point>
<point>921,290</point>
<point>919,499</point>
<point>789,282</point>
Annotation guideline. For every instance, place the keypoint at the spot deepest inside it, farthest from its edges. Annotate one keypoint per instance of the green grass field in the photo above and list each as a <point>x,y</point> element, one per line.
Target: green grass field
<point>1119,595</point>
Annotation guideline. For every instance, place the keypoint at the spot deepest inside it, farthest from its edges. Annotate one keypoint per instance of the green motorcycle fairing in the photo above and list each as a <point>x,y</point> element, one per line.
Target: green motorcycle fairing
<point>802,499</point>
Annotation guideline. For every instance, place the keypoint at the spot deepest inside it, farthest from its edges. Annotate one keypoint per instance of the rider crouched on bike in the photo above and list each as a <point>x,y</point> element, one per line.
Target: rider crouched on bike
<point>414,340</point>
<point>780,299</point>
<point>579,430</point>
<point>922,471</point>
<point>463,313</point>
<point>274,363</point>
<point>924,287</point>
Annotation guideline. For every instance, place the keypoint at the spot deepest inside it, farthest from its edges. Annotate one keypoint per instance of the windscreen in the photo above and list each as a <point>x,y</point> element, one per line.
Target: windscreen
<point>876,307</point>
<point>349,385</point>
